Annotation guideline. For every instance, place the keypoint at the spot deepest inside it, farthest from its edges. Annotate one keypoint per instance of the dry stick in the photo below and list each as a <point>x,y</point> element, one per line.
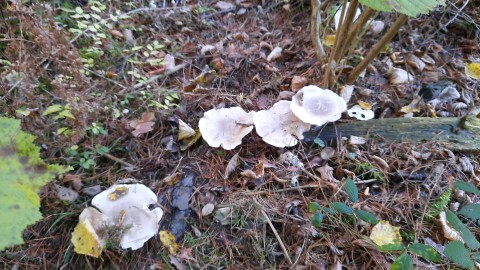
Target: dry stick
<point>347,23</point>
<point>315,21</point>
<point>109,156</point>
<point>355,29</point>
<point>326,82</point>
<point>377,48</point>
<point>262,192</point>
<point>285,251</point>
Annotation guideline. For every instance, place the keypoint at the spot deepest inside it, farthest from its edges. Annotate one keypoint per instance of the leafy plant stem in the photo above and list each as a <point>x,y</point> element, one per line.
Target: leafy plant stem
<point>402,18</point>
<point>315,22</point>
<point>342,35</point>
<point>355,29</point>
<point>328,76</point>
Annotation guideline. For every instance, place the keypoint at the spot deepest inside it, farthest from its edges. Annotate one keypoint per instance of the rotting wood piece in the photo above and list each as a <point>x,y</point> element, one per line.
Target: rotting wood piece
<point>461,134</point>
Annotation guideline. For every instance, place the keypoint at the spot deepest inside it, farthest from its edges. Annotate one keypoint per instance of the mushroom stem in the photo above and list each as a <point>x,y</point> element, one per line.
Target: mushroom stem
<point>377,48</point>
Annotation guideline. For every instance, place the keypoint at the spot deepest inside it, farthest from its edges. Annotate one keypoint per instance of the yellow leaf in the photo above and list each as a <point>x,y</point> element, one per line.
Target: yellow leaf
<point>473,70</point>
<point>383,233</point>
<point>118,193</point>
<point>413,107</point>
<point>364,105</point>
<point>329,40</point>
<point>184,130</point>
<point>85,240</point>
<point>168,241</point>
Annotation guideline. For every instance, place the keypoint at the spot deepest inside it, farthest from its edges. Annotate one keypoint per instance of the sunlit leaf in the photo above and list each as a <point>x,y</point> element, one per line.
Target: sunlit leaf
<point>404,262</point>
<point>473,70</point>
<point>458,254</point>
<point>425,251</point>
<point>383,233</point>
<point>408,7</point>
<point>168,241</point>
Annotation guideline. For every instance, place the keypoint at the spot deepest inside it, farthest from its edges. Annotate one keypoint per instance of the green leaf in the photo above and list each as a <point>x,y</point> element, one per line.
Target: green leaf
<point>404,262</point>
<point>465,233</point>
<point>342,208</point>
<point>467,187</point>
<point>352,190</point>
<point>425,251</point>
<point>52,109</point>
<point>366,216</point>
<point>391,247</point>
<point>22,174</point>
<point>313,207</point>
<point>408,7</point>
<point>317,219</point>
<point>458,254</point>
<point>471,211</point>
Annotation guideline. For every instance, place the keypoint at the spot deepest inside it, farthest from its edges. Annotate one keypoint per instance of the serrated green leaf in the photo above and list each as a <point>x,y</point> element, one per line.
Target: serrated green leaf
<point>467,187</point>
<point>352,190</point>
<point>22,174</point>
<point>465,233</point>
<point>317,219</point>
<point>314,207</point>
<point>52,109</point>
<point>458,254</point>
<point>404,262</point>
<point>471,211</point>
<point>425,251</point>
<point>391,247</point>
<point>408,7</point>
<point>366,216</point>
<point>342,208</point>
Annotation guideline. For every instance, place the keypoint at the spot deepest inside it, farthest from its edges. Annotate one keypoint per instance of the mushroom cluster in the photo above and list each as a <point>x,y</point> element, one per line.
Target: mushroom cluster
<point>282,125</point>
<point>131,209</point>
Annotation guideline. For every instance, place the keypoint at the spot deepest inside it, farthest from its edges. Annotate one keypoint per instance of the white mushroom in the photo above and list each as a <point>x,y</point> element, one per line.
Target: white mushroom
<point>278,126</point>
<point>317,106</point>
<point>225,127</point>
<point>129,207</point>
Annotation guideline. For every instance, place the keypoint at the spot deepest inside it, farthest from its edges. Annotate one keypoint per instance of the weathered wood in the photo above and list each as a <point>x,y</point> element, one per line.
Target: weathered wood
<point>456,133</point>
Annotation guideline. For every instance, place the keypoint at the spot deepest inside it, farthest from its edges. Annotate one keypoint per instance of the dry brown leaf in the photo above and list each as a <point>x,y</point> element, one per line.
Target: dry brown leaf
<point>231,166</point>
<point>298,82</point>
<point>143,125</point>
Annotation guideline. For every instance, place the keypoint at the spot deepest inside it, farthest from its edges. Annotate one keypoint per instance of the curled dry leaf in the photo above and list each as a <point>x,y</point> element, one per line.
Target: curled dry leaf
<point>449,232</point>
<point>274,54</point>
<point>416,62</point>
<point>66,194</point>
<point>143,125</point>
<point>208,209</point>
<point>326,173</point>
<point>225,127</point>
<point>278,126</point>
<point>399,76</point>
<point>346,92</point>
<point>298,82</point>
<point>231,166</point>
<point>184,130</point>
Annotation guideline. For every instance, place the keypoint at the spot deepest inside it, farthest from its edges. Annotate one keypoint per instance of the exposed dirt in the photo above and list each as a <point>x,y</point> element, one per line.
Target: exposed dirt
<point>397,181</point>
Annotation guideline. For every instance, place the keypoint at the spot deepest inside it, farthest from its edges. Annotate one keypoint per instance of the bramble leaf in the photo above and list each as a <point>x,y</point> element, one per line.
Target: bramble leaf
<point>425,251</point>
<point>351,190</point>
<point>404,262</point>
<point>22,174</point>
<point>408,7</point>
<point>458,254</point>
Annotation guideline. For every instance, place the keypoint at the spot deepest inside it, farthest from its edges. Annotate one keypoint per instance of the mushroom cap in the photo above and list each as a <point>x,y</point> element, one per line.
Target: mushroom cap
<point>317,106</point>
<point>128,205</point>
<point>226,126</point>
<point>278,126</point>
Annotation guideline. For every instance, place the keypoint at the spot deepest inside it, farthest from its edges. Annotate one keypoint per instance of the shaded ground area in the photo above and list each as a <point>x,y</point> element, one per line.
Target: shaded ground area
<point>214,56</point>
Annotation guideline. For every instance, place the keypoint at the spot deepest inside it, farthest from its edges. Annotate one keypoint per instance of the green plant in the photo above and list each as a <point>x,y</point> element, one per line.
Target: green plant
<point>86,158</point>
<point>349,30</point>
<point>22,174</point>
<point>340,207</point>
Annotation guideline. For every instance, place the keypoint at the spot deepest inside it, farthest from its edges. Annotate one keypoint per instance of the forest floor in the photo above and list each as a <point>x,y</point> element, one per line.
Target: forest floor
<point>107,80</point>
